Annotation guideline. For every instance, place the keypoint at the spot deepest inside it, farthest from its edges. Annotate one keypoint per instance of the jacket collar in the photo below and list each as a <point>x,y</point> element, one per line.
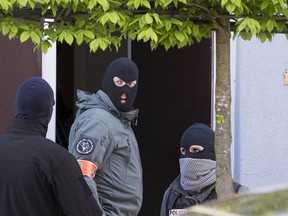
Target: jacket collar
<point>28,126</point>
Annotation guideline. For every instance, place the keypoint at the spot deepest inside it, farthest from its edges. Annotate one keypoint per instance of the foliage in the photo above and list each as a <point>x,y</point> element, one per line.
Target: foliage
<point>262,203</point>
<point>104,23</point>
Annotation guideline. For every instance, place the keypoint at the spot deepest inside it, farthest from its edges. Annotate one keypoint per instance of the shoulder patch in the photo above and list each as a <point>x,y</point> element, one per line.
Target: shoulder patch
<point>85,146</point>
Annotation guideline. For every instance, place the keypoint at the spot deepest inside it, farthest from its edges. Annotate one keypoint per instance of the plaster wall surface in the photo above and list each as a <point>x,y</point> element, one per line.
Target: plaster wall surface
<point>260,103</point>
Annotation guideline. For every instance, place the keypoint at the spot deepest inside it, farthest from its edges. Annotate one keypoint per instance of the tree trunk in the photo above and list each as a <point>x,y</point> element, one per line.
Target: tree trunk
<point>223,111</point>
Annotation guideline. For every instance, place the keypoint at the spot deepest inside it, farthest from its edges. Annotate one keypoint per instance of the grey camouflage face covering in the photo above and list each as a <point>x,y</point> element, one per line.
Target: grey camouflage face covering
<point>197,174</point>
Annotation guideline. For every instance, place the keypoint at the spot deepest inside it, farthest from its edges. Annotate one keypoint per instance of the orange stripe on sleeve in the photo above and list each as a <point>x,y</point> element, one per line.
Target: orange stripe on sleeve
<point>88,168</point>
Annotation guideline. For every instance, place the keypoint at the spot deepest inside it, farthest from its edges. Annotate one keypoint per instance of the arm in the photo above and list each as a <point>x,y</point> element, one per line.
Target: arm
<point>164,210</point>
<point>89,143</point>
<point>72,191</point>
<point>93,187</point>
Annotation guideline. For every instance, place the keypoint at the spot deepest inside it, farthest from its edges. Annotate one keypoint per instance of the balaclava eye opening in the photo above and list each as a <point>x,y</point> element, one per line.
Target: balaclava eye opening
<point>198,134</point>
<point>34,100</point>
<point>127,71</point>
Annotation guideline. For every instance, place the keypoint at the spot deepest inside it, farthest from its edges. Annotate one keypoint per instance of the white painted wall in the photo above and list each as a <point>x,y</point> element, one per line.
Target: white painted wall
<point>49,74</point>
<point>260,111</point>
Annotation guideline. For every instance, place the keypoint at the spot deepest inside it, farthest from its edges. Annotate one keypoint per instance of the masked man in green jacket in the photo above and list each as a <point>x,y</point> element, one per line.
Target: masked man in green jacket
<point>103,142</point>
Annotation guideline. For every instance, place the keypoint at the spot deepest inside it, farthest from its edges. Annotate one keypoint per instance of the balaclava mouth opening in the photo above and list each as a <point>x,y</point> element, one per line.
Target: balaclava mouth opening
<point>127,71</point>
<point>197,168</point>
<point>34,100</point>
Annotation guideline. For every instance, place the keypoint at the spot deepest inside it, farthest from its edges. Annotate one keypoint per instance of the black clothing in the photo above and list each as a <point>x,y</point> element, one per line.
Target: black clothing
<point>39,177</point>
<point>175,197</point>
<point>34,100</point>
<point>198,134</point>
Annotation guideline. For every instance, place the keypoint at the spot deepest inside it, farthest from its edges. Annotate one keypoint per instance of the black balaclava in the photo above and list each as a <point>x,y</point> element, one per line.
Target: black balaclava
<point>126,70</point>
<point>197,170</point>
<point>34,100</point>
<point>199,134</point>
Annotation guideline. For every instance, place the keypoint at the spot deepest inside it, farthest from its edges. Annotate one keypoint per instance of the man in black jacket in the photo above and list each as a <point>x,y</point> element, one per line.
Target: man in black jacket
<point>39,177</point>
<point>197,180</point>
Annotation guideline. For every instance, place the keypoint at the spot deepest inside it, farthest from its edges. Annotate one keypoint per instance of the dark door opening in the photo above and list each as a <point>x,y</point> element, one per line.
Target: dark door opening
<point>174,92</point>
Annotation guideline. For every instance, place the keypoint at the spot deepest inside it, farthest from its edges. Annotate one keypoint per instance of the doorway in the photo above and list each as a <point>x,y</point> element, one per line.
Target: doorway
<point>174,92</point>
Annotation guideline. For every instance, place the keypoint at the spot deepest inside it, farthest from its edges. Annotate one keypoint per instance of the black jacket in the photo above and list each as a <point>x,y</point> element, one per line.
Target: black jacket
<point>39,177</point>
<point>175,197</point>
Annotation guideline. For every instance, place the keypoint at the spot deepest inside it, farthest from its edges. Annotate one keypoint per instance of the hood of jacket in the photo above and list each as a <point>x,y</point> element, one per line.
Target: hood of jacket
<point>100,99</point>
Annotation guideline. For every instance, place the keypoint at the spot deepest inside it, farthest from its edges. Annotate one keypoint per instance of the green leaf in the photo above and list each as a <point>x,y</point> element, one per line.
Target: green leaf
<point>220,118</point>
<point>13,29</point>
<point>113,17</point>
<point>137,3</point>
<point>24,36</point>
<point>167,2</point>
<point>195,30</point>
<point>275,2</point>
<point>51,34</point>
<point>146,4</point>
<point>176,22</point>
<point>282,4</point>
<point>254,26</point>
<point>79,23</point>
<point>265,4</point>
<point>91,4</point>
<point>5,5</point>
<point>151,34</point>
<point>245,35</point>
<point>5,29</point>
<point>79,38</point>
<point>148,18</point>
<point>236,2</point>
<point>141,35</point>
<point>270,25</point>
<point>89,34</point>
<point>168,25</point>
<point>280,26</point>
<point>103,20</point>
<point>156,18</point>
<point>142,22</point>
<point>103,45</point>
<point>223,3</point>
<point>183,1</point>
<point>54,10</point>
<point>61,36</point>
<point>242,25</point>
<point>23,26</point>
<point>105,4</point>
<point>35,38</point>
<point>230,7</point>
<point>262,37</point>
<point>45,46</point>
<point>69,38</point>
<point>180,36</point>
<point>94,45</point>
<point>11,35</point>
<point>98,43</point>
<point>22,3</point>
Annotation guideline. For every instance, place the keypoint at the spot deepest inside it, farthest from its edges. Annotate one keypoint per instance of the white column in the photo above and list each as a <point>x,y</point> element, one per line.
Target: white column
<point>49,74</point>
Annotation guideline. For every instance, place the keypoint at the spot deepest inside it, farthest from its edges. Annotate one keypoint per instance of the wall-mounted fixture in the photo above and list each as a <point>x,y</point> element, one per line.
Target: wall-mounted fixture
<point>285,74</point>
